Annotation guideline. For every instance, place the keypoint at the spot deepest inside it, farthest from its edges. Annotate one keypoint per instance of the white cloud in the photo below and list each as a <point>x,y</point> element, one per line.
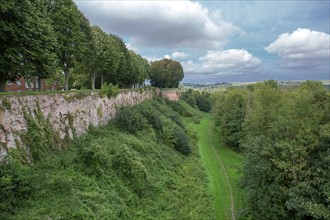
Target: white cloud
<point>155,58</point>
<point>301,44</point>
<point>179,55</point>
<point>228,62</point>
<point>161,23</point>
<point>303,51</point>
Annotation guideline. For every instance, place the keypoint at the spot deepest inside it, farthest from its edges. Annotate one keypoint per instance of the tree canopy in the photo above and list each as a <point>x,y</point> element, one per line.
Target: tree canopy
<point>166,73</point>
<point>38,38</point>
<point>284,135</point>
<point>27,41</point>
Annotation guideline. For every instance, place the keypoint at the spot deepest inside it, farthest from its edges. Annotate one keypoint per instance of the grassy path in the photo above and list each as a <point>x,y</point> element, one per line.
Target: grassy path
<point>222,165</point>
<point>232,202</point>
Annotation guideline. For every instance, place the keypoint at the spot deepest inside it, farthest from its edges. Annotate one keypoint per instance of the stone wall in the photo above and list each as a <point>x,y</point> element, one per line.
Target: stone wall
<point>172,94</point>
<point>66,112</point>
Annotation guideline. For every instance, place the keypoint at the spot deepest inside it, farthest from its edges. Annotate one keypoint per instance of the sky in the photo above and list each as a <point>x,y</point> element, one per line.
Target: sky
<point>224,41</point>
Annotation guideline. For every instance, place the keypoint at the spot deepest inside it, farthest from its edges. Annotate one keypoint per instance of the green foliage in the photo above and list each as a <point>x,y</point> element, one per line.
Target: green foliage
<point>196,99</point>
<point>189,97</point>
<point>131,169</point>
<point>166,122</point>
<point>166,73</point>
<point>5,103</point>
<point>153,118</point>
<point>181,141</point>
<point>42,39</point>
<point>109,90</point>
<point>71,31</point>
<point>232,162</point>
<point>40,138</point>
<point>27,41</point>
<point>203,102</point>
<point>109,174</point>
<point>14,186</point>
<point>180,108</point>
<point>129,120</point>
<point>229,113</point>
<point>70,97</point>
<point>284,134</point>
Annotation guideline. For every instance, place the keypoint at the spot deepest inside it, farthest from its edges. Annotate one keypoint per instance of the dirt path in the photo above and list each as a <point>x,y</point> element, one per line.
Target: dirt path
<point>232,203</point>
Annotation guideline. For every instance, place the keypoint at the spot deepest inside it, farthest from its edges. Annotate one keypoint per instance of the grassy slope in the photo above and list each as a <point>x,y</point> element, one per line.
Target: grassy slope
<point>108,174</point>
<point>232,163</point>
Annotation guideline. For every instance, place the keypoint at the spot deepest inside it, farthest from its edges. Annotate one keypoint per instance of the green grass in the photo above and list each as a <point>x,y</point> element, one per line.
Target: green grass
<point>109,174</point>
<point>46,92</point>
<point>217,182</point>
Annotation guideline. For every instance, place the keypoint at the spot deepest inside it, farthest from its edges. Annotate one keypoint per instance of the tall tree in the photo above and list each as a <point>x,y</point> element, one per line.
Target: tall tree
<point>140,68</point>
<point>27,41</point>
<point>70,28</point>
<point>286,137</point>
<point>229,112</point>
<point>166,73</point>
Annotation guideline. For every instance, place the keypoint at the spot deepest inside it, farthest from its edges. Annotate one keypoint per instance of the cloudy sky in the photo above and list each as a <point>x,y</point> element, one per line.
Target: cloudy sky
<point>224,40</point>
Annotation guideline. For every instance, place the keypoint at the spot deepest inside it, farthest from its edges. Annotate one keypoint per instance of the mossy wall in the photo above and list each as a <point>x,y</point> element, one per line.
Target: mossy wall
<point>70,114</point>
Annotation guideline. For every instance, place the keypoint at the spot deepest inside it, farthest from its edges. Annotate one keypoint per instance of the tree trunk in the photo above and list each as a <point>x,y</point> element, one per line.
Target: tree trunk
<point>102,79</point>
<point>93,80</point>
<point>67,76</point>
<point>2,83</point>
<point>39,84</point>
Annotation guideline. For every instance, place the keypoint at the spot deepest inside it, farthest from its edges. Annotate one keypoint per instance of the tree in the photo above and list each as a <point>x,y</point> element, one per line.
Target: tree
<point>196,99</point>
<point>140,68</point>
<point>166,73</point>
<point>70,27</point>
<point>229,112</point>
<point>27,41</point>
<point>286,134</point>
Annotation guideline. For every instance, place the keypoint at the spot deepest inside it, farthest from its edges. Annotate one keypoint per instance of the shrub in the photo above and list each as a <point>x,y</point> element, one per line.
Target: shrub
<point>196,99</point>
<point>153,119</point>
<point>168,135</point>
<point>109,90</point>
<point>94,157</point>
<point>181,143</point>
<point>129,120</point>
<point>13,186</point>
<point>203,102</point>
<point>179,108</point>
<point>189,97</point>
<point>129,167</point>
<point>176,137</point>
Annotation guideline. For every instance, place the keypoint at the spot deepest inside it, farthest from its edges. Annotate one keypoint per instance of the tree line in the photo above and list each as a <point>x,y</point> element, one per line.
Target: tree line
<point>53,38</point>
<point>284,134</point>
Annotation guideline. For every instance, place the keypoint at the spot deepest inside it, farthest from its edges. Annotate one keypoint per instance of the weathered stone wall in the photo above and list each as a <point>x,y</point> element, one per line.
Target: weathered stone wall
<point>65,111</point>
<point>172,94</point>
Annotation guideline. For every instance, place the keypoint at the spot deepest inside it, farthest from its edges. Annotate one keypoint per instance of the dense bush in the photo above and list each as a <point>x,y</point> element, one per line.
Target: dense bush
<point>109,90</point>
<point>181,142</point>
<point>175,136</point>
<point>189,97</point>
<point>283,133</point>
<point>130,168</point>
<point>14,186</point>
<point>178,107</point>
<point>203,102</point>
<point>229,111</point>
<point>129,120</point>
<point>153,118</point>
<point>110,174</point>
<point>197,99</point>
